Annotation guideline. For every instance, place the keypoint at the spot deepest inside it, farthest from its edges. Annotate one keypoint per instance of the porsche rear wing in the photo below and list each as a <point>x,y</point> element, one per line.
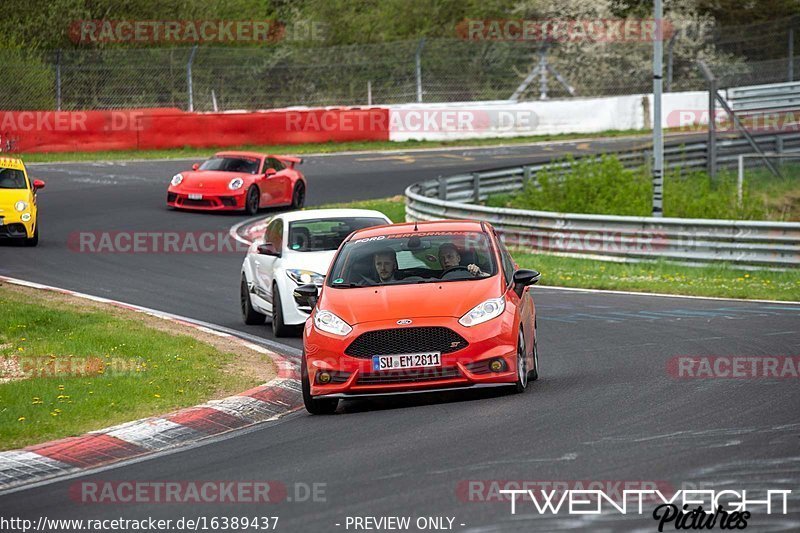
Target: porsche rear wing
<point>290,160</point>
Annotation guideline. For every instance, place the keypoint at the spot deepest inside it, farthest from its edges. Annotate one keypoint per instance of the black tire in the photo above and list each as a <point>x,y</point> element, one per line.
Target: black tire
<point>250,316</point>
<point>315,406</point>
<point>279,328</point>
<point>533,375</point>
<point>33,241</point>
<point>299,196</point>
<point>522,365</point>
<point>252,201</point>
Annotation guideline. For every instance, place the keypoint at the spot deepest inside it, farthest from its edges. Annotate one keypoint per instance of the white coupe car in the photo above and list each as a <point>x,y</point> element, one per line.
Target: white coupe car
<point>297,249</point>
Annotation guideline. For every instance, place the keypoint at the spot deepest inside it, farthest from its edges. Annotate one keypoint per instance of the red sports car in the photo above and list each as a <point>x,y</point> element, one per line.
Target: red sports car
<point>415,308</point>
<point>239,181</point>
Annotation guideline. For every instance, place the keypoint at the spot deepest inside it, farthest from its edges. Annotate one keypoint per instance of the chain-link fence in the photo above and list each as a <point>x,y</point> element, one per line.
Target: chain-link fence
<point>436,70</point>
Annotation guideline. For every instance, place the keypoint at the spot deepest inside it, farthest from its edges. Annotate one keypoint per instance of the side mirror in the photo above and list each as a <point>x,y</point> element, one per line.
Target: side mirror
<point>195,166</point>
<point>268,249</point>
<point>306,295</point>
<point>524,278</point>
<point>38,184</point>
<point>270,172</point>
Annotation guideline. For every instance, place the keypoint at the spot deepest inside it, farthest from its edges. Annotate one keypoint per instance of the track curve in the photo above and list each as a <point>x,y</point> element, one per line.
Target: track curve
<point>605,408</point>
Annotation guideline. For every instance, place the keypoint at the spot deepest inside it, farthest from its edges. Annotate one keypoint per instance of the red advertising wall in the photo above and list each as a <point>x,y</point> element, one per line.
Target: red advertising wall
<point>91,131</point>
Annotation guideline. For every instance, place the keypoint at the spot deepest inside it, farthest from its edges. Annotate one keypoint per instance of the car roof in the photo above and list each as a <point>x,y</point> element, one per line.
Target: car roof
<point>12,162</point>
<point>310,214</point>
<point>245,154</point>
<point>435,225</point>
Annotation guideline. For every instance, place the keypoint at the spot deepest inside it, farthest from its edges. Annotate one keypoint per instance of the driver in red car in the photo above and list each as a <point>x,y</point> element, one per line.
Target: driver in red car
<point>450,257</point>
<point>385,265</point>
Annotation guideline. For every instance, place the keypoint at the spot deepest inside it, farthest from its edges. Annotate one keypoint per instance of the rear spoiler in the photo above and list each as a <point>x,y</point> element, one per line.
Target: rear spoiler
<point>290,159</point>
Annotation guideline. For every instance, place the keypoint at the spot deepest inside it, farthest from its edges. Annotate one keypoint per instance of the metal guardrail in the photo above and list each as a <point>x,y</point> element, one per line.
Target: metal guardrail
<point>763,97</point>
<point>761,243</point>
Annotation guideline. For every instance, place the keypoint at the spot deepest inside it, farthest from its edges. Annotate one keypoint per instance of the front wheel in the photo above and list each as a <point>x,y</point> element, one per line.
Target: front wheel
<point>533,375</point>
<point>315,406</point>
<point>252,201</point>
<point>522,365</point>
<point>249,314</point>
<point>299,196</point>
<point>33,241</point>
<point>279,327</point>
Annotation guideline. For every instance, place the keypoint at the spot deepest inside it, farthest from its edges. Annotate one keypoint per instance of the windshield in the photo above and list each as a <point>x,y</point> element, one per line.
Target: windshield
<point>324,234</point>
<point>11,178</point>
<point>248,165</point>
<point>415,257</point>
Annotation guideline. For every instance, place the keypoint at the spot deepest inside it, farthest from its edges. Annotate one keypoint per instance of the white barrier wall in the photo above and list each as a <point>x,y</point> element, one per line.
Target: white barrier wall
<point>475,120</point>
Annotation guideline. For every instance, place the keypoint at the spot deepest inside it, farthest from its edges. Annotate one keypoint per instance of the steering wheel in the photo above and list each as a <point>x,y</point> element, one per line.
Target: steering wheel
<point>453,269</point>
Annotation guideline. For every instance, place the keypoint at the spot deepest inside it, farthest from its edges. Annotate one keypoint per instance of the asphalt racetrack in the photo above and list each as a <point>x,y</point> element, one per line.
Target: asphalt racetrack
<point>609,406</point>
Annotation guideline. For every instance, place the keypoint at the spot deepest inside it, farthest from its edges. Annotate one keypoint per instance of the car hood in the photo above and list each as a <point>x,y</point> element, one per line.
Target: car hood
<point>394,302</point>
<point>314,261</point>
<point>8,197</point>
<point>211,179</point>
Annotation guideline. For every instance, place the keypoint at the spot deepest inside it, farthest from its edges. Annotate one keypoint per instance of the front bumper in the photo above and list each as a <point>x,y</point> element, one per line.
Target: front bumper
<point>463,368</point>
<point>208,202</point>
<point>12,226</point>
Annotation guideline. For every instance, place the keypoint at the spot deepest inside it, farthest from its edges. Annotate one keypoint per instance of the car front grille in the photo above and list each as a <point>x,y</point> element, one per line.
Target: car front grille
<point>408,376</point>
<point>406,340</point>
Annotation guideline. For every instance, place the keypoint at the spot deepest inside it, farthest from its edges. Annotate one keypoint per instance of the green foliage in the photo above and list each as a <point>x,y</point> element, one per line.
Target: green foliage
<point>604,186</point>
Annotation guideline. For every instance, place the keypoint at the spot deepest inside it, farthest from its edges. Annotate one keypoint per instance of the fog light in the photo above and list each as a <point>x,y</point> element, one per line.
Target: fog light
<point>323,377</point>
<point>497,365</point>
<point>26,217</point>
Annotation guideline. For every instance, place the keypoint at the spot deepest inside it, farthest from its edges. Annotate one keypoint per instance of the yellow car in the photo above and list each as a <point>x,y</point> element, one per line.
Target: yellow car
<point>18,213</point>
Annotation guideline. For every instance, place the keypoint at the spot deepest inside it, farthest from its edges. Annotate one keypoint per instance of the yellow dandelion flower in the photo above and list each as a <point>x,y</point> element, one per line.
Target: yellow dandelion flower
<point>21,419</point>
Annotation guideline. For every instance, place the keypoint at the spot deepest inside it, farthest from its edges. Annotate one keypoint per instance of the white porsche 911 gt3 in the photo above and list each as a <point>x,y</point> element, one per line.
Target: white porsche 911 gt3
<point>297,248</point>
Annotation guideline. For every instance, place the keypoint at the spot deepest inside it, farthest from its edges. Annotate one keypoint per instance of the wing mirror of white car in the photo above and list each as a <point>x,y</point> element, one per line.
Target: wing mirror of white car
<point>268,249</point>
<point>306,295</point>
<point>524,278</point>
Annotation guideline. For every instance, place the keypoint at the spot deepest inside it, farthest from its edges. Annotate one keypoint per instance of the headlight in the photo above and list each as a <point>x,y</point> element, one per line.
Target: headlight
<point>328,322</point>
<point>301,277</point>
<point>176,180</point>
<point>21,206</point>
<point>481,313</point>
<point>235,184</point>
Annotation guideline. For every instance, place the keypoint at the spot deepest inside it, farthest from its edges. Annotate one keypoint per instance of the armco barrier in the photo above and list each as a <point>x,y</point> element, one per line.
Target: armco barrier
<point>761,243</point>
<point>91,131</point>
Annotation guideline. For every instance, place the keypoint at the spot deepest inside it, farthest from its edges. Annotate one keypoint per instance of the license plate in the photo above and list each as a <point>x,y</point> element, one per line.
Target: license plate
<point>195,196</point>
<point>409,360</point>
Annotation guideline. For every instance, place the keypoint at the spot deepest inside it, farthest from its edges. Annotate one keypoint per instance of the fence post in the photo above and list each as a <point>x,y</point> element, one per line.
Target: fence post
<point>189,78</point>
<point>58,79</point>
<point>442,188</point>
<point>543,73</point>
<point>369,93</point>
<point>670,46</point>
<point>476,187</point>
<point>711,148</point>
<point>418,64</point>
<point>791,51</point>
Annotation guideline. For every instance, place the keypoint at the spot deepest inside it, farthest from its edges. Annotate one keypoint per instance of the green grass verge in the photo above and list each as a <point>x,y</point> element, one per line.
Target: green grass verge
<point>93,368</point>
<point>721,281</point>
<point>312,148</point>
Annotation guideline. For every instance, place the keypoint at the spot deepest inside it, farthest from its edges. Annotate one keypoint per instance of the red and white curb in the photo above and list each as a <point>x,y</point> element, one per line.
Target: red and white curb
<point>65,456</point>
